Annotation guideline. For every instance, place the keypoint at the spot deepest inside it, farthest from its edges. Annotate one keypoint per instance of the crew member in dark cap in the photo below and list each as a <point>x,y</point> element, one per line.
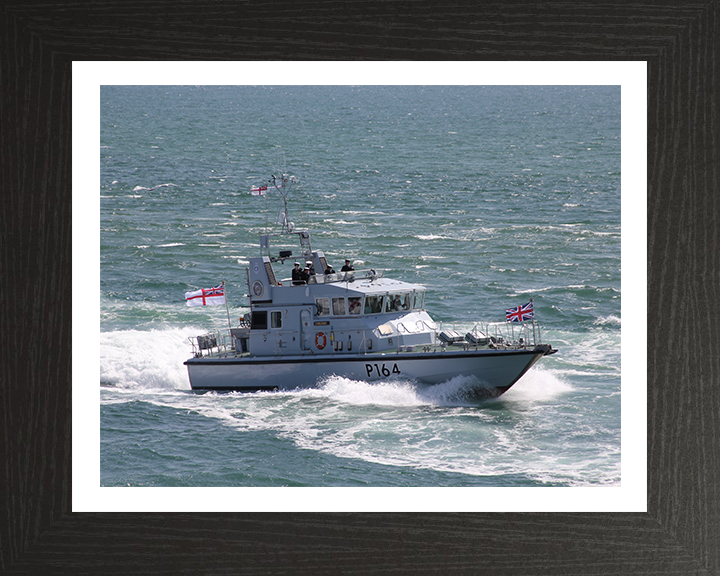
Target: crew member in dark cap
<point>297,276</point>
<point>348,267</point>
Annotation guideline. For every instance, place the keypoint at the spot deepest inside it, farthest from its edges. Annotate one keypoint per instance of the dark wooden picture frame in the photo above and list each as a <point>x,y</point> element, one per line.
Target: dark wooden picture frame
<point>679,534</point>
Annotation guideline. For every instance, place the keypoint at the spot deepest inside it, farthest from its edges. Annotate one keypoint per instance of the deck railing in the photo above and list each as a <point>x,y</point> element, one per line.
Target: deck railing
<point>512,334</point>
<point>220,343</point>
<point>350,276</point>
<point>225,343</point>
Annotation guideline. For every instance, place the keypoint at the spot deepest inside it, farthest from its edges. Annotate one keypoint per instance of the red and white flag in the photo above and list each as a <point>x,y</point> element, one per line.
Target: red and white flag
<point>206,296</point>
<point>258,190</point>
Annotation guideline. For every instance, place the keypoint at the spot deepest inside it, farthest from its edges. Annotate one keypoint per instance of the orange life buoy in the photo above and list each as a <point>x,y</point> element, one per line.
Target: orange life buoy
<point>320,340</point>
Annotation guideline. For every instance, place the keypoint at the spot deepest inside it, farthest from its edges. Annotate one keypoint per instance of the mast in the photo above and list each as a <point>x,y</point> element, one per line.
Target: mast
<point>283,186</point>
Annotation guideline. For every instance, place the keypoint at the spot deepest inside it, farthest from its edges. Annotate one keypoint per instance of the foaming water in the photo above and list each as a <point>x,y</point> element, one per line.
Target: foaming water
<point>459,391</point>
<point>146,360</point>
<point>354,392</point>
<point>539,385</point>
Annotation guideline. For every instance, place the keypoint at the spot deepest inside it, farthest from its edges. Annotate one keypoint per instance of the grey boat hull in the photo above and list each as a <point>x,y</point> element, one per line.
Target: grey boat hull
<point>495,370</point>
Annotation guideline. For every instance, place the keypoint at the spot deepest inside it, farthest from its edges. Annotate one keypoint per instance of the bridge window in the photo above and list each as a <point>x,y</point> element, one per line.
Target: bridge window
<point>397,302</point>
<point>338,305</point>
<point>374,304</point>
<point>355,304</point>
<point>323,306</point>
<point>418,302</point>
<point>276,319</point>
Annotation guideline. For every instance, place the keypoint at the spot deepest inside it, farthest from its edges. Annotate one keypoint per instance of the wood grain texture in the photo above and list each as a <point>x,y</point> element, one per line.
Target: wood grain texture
<point>680,534</point>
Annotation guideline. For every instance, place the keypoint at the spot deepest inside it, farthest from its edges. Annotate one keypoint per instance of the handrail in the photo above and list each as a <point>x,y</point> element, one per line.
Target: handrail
<point>495,335</point>
<point>351,276</point>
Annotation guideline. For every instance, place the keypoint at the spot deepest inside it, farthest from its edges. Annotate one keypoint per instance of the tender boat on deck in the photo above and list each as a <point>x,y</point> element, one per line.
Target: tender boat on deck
<point>358,324</point>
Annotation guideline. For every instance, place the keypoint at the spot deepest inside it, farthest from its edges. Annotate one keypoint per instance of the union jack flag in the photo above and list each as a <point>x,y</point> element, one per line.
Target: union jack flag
<point>521,313</point>
<point>206,296</point>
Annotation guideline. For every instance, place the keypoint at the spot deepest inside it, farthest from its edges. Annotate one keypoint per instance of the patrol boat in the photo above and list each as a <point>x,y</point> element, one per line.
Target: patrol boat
<point>358,324</point>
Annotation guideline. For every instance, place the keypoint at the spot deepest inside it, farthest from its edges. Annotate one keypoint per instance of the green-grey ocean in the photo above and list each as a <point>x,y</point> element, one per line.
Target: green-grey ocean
<point>489,196</point>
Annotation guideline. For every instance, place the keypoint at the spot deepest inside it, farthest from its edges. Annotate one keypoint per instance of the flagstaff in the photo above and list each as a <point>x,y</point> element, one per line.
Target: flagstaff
<point>226,305</point>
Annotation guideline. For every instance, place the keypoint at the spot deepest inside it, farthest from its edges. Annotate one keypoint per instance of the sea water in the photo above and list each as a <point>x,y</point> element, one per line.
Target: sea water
<point>489,196</point>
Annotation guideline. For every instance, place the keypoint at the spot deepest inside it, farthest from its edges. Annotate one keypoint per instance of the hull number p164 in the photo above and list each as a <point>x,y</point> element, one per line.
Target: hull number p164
<point>381,371</point>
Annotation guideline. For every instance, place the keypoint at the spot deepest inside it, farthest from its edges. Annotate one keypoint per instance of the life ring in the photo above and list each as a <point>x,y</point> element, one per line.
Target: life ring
<point>320,340</point>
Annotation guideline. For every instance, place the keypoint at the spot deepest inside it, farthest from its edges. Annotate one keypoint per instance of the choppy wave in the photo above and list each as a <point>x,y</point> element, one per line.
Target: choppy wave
<point>610,320</point>
<point>138,188</point>
<point>576,288</point>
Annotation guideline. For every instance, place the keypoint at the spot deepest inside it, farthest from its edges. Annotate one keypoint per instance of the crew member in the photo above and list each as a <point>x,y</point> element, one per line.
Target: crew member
<point>297,275</point>
<point>348,267</point>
